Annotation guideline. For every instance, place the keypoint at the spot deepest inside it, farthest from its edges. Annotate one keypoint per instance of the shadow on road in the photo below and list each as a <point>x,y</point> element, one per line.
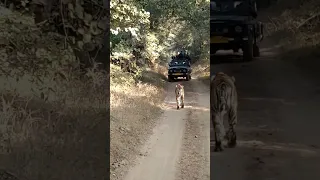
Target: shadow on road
<point>179,80</point>
<point>276,93</point>
<point>228,57</point>
<point>225,58</point>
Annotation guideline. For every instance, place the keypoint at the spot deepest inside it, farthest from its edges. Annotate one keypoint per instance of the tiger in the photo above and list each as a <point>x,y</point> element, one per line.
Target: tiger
<point>179,91</point>
<point>223,100</point>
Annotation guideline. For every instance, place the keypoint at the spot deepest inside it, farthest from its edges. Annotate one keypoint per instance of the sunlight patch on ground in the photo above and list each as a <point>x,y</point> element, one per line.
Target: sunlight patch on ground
<point>303,150</point>
<point>282,101</point>
<point>289,147</point>
<point>270,49</point>
<point>197,94</point>
<point>173,105</point>
<point>259,129</point>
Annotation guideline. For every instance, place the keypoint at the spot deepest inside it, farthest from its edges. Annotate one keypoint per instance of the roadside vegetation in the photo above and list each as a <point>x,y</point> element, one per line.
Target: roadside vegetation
<point>144,36</point>
<point>294,26</point>
<point>295,23</point>
<point>53,107</point>
<point>201,70</point>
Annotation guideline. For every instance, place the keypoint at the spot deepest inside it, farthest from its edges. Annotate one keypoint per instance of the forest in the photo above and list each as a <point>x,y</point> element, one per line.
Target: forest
<point>149,31</point>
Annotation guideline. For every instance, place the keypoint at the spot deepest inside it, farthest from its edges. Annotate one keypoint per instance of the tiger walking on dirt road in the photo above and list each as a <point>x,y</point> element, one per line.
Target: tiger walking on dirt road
<point>179,91</point>
<point>223,100</point>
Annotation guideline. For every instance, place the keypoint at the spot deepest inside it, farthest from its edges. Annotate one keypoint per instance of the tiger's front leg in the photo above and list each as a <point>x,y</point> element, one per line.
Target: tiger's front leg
<point>182,101</point>
<point>178,102</point>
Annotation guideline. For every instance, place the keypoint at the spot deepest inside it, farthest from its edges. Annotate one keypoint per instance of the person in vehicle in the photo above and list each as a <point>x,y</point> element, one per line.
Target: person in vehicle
<point>235,6</point>
<point>180,55</point>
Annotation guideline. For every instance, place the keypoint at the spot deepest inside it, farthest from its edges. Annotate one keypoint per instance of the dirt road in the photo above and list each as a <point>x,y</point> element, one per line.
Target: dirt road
<point>179,148</point>
<point>278,130</point>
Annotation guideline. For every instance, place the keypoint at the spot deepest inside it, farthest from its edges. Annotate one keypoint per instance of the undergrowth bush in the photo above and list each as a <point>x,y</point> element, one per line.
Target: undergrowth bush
<point>298,22</point>
<point>52,115</point>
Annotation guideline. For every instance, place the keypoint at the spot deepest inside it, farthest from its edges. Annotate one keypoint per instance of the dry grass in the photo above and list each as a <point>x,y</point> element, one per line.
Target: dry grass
<point>295,27</point>
<point>201,70</point>
<point>135,107</point>
<point>295,23</point>
<point>52,122</point>
<point>54,139</point>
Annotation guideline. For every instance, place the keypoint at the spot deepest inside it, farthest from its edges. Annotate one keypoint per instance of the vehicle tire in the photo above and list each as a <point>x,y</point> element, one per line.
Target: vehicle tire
<point>187,78</point>
<point>213,51</point>
<point>169,79</point>
<point>248,50</point>
<point>256,50</point>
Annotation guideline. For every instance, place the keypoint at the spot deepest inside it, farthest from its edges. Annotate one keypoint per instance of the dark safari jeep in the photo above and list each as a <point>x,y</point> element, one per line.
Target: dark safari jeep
<point>179,68</point>
<point>233,26</point>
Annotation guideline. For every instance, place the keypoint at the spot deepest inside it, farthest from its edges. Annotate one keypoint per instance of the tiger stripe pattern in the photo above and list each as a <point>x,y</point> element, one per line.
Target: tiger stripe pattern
<point>223,101</point>
<point>179,91</point>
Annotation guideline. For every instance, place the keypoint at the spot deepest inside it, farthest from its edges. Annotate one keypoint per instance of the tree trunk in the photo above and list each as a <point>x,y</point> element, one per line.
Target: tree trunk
<point>104,53</point>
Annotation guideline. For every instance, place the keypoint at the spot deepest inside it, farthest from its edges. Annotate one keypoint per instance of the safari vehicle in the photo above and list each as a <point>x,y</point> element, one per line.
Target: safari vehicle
<point>233,26</point>
<point>179,68</point>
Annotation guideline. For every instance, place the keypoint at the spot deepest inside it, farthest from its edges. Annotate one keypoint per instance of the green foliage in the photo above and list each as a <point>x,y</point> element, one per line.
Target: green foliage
<point>25,49</point>
<point>82,22</point>
<point>127,17</point>
<point>161,27</point>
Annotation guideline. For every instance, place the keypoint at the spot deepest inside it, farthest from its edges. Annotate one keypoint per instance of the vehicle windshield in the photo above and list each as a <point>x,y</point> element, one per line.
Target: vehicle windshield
<point>178,63</point>
<point>229,7</point>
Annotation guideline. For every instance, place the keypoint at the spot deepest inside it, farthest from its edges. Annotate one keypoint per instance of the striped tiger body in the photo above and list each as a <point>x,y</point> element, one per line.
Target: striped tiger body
<point>179,91</point>
<point>223,101</point>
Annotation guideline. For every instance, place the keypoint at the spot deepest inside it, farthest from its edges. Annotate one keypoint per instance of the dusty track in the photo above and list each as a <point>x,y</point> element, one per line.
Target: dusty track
<point>180,141</point>
<point>278,130</point>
